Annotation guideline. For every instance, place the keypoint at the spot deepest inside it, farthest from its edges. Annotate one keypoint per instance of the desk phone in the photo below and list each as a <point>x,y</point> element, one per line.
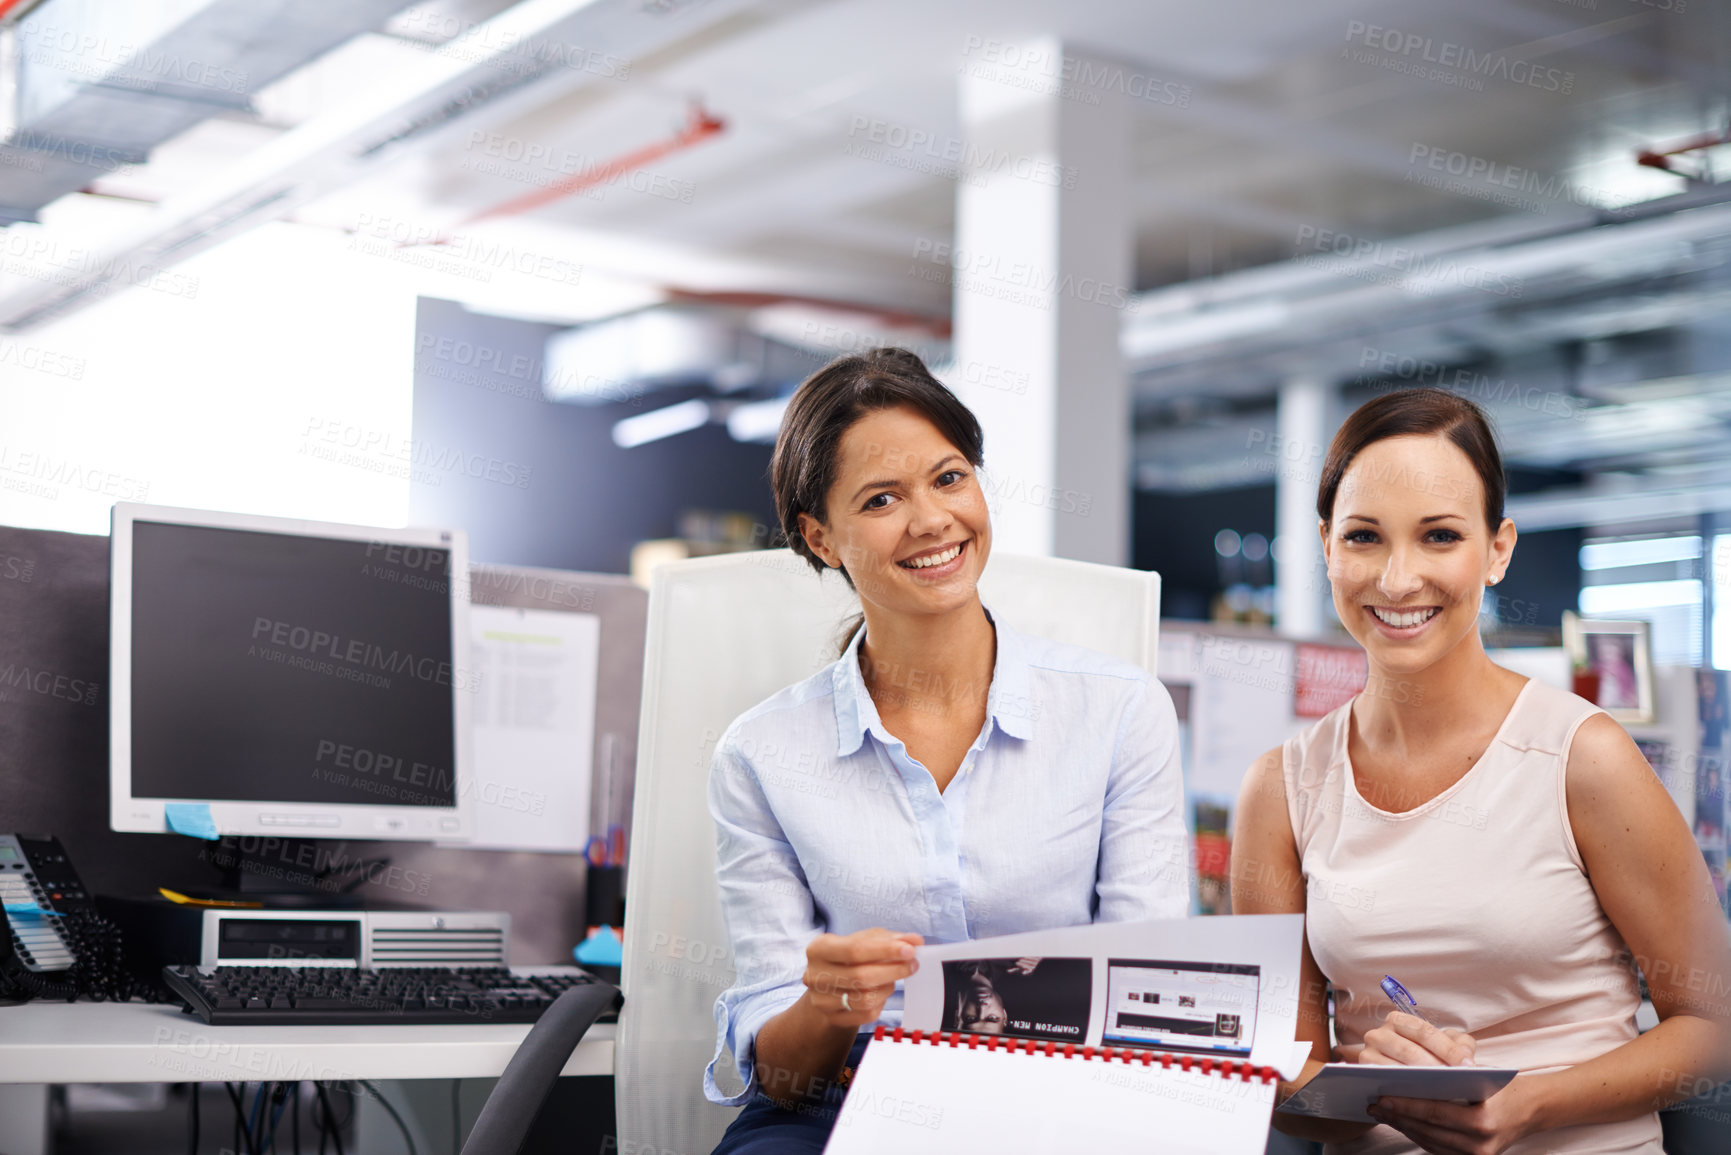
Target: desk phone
<point>51,923</point>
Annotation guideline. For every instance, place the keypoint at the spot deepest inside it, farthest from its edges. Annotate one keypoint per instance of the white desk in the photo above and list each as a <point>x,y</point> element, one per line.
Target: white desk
<point>44,1042</point>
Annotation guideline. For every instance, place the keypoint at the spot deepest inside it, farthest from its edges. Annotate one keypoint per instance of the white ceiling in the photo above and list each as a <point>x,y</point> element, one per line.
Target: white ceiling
<point>1289,121</point>
<point>1279,128</point>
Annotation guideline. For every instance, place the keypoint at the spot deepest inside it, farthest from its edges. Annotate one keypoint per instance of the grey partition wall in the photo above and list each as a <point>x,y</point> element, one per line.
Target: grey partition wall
<point>54,686</point>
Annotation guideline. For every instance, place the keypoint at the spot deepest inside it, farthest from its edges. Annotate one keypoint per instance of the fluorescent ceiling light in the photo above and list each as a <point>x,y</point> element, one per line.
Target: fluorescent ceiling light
<point>646,427</point>
<point>757,421</point>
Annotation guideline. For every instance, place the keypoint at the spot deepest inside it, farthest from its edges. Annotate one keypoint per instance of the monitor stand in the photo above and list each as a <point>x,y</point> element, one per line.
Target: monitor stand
<point>285,873</point>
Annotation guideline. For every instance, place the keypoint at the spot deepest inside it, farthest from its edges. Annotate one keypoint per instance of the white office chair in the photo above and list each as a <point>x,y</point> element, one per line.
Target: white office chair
<point>724,634</point>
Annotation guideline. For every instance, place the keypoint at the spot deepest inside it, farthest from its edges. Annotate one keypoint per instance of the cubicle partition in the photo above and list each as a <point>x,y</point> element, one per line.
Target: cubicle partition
<point>54,686</point>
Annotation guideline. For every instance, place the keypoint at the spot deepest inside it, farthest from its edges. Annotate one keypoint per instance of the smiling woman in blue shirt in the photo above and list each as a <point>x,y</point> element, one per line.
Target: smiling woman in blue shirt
<point>945,779</point>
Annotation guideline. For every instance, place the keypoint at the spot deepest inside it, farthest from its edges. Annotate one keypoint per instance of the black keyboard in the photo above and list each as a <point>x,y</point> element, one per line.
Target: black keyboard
<point>333,996</point>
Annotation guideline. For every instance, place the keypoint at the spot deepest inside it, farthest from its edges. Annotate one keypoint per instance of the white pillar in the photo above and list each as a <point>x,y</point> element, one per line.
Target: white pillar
<point>1042,266</point>
<point>1300,578</point>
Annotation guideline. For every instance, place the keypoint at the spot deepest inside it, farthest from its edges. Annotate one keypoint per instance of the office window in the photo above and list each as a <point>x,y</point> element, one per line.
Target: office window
<point>1721,574</point>
<point>282,385</point>
<point>277,378</point>
<point>1653,579</point>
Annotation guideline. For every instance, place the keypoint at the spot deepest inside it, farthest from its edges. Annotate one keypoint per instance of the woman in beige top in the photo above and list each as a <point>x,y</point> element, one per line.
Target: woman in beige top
<point>1498,846</point>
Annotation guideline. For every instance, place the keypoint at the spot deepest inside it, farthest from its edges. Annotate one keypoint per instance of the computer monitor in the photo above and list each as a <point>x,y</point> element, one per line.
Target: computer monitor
<point>291,678</point>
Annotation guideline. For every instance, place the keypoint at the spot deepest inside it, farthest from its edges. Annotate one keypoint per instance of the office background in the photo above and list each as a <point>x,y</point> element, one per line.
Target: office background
<point>548,270</point>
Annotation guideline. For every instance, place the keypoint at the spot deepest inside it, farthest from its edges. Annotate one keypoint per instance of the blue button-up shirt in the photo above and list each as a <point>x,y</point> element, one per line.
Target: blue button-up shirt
<point>1067,809</point>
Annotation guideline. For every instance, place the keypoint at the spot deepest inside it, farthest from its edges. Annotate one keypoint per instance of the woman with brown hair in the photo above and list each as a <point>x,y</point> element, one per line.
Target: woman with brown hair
<point>1496,845</point>
<point>946,779</point>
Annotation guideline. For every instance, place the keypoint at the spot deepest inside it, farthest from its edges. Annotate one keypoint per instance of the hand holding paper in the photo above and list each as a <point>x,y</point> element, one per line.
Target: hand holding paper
<point>1346,1090</point>
<point>1085,1038</point>
<point>1492,1123</point>
<point>851,976</point>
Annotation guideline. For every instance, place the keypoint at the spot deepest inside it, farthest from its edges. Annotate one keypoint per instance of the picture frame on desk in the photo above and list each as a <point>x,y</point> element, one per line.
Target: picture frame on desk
<point>1613,665</point>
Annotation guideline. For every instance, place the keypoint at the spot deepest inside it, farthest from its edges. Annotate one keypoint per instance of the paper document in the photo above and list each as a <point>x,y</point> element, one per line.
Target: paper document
<point>1222,987</point>
<point>1344,1090</point>
<point>533,726</point>
<point>1198,1014</point>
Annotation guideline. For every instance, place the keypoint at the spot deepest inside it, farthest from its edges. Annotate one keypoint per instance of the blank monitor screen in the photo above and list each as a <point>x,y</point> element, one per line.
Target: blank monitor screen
<point>283,668</point>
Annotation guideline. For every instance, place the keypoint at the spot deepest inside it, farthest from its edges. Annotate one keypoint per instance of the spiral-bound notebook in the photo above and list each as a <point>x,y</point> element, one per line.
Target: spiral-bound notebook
<point>948,1093</point>
<point>1161,1035</point>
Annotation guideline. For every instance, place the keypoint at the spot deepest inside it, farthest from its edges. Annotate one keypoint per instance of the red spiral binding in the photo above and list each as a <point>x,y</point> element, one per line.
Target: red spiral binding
<point>1225,1068</point>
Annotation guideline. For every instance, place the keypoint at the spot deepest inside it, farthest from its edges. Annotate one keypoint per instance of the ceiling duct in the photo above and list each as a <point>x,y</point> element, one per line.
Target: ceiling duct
<point>515,62</point>
<point>666,346</point>
<point>99,84</point>
<point>1497,282</point>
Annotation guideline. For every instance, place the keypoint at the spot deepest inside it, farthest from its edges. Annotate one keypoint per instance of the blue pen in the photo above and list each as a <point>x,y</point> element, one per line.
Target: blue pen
<point>1402,1001</point>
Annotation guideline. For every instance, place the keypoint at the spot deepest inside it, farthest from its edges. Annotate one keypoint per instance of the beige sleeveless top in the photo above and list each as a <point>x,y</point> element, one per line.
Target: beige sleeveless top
<point>1476,901</point>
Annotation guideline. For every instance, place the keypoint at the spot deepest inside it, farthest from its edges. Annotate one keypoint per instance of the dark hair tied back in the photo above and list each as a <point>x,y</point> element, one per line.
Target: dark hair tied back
<point>1420,412</point>
<point>829,402</point>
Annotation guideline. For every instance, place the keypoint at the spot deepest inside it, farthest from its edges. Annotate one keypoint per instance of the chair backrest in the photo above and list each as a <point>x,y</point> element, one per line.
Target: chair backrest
<point>528,1079</point>
<point>725,633</point>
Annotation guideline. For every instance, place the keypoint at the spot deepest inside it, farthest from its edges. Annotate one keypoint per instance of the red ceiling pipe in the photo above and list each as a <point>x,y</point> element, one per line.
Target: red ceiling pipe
<point>1661,158</point>
<point>700,127</point>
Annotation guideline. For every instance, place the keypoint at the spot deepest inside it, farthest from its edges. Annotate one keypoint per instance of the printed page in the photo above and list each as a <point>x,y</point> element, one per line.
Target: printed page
<point>533,726</point>
<point>1223,987</point>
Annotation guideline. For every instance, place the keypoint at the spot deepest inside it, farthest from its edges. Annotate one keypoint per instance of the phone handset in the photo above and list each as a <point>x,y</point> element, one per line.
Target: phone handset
<point>46,908</point>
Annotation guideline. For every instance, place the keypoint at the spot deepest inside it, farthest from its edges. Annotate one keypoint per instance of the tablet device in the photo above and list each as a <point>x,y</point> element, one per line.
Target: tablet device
<point>1344,1090</point>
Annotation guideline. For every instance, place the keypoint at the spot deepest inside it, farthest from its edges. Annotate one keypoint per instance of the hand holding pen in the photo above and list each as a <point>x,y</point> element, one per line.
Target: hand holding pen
<point>1403,1002</point>
<point>1409,1038</point>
